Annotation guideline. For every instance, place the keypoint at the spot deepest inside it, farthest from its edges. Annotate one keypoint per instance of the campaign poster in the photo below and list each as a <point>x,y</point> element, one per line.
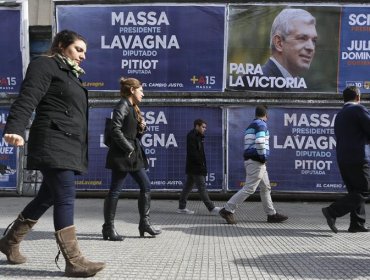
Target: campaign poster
<point>301,55</point>
<point>302,149</point>
<point>168,48</point>
<point>164,144</point>
<point>8,158</point>
<point>11,66</point>
<point>354,63</point>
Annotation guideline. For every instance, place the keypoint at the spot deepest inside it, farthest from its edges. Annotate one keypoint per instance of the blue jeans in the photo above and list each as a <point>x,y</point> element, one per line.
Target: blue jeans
<point>58,190</point>
<point>118,177</point>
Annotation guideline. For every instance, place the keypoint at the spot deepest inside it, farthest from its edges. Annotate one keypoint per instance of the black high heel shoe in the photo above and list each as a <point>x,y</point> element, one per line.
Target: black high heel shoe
<point>110,233</point>
<point>145,226</point>
<point>144,210</point>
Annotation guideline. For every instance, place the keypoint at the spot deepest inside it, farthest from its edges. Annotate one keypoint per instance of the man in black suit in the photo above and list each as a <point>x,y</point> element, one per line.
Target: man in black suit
<point>352,131</point>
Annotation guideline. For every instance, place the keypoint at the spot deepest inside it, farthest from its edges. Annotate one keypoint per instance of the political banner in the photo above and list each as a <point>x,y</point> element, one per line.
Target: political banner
<point>11,66</point>
<point>8,158</point>
<point>302,149</point>
<point>283,48</point>
<point>164,144</point>
<point>168,48</point>
<point>354,60</point>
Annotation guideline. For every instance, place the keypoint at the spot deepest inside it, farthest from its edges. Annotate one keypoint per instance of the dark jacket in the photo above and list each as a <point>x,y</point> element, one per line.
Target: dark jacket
<point>352,132</point>
<point>125,140</point>
<point>58,135</point>
<point>195,157</point>
<point>269,69</point>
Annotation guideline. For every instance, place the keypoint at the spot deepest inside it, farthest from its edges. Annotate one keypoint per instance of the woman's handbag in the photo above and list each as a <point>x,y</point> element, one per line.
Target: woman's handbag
<point>107,132</point>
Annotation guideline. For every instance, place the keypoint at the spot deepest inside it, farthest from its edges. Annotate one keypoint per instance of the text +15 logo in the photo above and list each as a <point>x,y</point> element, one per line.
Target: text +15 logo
<point>203,81</point>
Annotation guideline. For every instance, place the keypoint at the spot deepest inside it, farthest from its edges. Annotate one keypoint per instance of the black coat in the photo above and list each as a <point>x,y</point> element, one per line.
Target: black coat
<point>352,132</point>
<point>125,152</point>
<point>195,157</point>
<point>58,135</point>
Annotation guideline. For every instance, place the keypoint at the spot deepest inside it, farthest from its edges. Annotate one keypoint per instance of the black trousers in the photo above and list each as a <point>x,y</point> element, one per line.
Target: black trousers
<point>200,182</point>
<point>118,177</point>
<point>357,181</point>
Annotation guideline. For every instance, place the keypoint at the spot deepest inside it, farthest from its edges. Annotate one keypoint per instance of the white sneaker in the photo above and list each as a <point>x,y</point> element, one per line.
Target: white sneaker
<point>215,211</point>
<point>185,211</point>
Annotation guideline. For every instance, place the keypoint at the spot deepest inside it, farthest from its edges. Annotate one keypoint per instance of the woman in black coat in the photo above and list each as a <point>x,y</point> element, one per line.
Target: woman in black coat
<point>57,146</point>
<point>125,155</point>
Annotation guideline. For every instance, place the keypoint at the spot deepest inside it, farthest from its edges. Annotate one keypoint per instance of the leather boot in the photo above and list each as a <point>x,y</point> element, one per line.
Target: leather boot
<point>13,235</point>
<point>144,210</point>
<point>109,232</point>
<point>76,264</point>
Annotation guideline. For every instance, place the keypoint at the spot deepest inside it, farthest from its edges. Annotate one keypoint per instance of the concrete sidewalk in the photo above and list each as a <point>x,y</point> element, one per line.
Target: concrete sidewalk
<point>198,246</point>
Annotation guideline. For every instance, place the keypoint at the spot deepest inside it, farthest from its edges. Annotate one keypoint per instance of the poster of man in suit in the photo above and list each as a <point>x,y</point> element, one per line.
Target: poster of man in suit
<point>282,48</point>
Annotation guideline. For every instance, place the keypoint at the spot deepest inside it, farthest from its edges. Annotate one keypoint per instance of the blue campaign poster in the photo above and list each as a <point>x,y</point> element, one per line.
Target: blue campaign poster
<point>354,63</point>
<point>169,48</point>
<point>8,158</point>
<point>10,50</point>
<point>302,147</point>
<point>164,144</point>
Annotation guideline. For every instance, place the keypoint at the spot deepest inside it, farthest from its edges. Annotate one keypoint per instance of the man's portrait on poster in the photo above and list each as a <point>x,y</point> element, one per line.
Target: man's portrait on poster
<point>293,38</point>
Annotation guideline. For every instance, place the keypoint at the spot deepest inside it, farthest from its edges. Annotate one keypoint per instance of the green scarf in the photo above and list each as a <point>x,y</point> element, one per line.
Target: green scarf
<point>76,70</point>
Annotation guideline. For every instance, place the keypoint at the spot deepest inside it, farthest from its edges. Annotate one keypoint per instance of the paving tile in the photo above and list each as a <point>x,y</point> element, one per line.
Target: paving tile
<point>199,246</point>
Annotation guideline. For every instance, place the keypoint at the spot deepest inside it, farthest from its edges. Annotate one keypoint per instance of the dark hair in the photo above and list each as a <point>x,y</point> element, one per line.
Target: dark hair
<point>63,39</point>
<point>350,93</point>
<point>199,122</point>
<point>261,111</point>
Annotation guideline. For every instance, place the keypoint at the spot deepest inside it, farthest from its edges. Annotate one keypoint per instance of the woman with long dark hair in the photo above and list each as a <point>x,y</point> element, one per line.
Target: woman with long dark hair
<point>126,156</point>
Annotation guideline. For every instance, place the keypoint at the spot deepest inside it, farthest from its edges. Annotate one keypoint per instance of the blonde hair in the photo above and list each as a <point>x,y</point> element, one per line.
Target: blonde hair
<point>125,91</point>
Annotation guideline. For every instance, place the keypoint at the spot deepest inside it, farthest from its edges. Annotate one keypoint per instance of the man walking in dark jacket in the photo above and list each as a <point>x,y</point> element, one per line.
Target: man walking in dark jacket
<point>196,169</point>
<point>352,131</point>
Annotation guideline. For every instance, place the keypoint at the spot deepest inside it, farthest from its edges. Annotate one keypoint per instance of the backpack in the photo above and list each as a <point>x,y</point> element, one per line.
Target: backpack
<point>107,132</point>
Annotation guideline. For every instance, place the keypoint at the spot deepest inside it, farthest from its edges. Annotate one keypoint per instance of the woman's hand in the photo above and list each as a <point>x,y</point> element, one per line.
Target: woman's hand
<point>14,139</point>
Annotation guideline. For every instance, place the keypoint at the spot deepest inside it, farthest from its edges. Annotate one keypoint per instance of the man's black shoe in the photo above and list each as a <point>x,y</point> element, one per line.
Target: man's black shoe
<point>330,220</point>
<point>276,218</point>
<point>357,229</point>
<point>228,216</point>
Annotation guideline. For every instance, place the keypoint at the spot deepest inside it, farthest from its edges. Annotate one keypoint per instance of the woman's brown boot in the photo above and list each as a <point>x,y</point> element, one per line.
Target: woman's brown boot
<point>76,264</point>
<point>13,235</point>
